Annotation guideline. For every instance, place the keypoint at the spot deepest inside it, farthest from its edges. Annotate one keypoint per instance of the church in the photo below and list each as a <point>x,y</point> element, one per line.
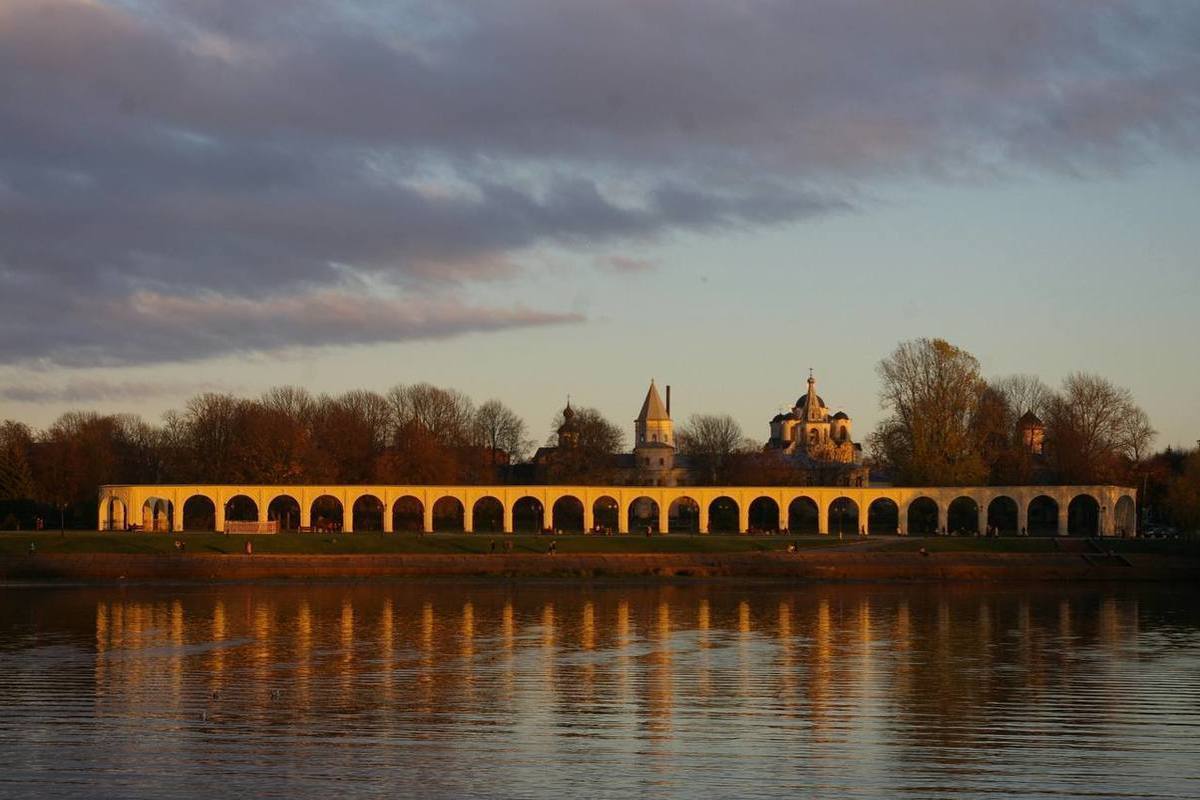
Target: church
<point>807,446</point>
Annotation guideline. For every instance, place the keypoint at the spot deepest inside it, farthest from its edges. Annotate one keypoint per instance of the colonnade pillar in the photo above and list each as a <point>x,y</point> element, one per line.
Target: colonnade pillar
<point>219,516</point>
<point>943,517</point>
<point>663,522</point>
<point>305,513</point>
<point>1022,518</point>
<point>388,522</point>
<point>1063,527</point>
<point>177,519</point>
<point>508,517</point>
<point>822,519</point>
<point>427,524</point>
<point>589,517</point>
<point>623,519</point>
<point>980,517</point>
<point>743,517</point>
<point>468,517</point>
<point>704,518</point>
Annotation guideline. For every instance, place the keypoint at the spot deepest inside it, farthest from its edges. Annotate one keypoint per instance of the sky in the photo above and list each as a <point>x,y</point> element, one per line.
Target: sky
<point>530,199</point>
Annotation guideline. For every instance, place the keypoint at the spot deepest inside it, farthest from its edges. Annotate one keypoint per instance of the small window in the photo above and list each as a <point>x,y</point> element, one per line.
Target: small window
<point>660,462</point>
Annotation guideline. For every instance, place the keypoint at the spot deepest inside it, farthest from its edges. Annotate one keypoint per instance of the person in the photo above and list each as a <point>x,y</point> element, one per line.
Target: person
<point>32,548</point>
<point>249,548</point>
<point>553,547</point>
<point>923,551</point>
<point>492,546</point>
<point>791,548</point>
<point>508,545</point>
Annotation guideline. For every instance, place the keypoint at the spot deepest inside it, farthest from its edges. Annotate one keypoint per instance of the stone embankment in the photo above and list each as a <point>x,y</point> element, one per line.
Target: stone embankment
<point>803,566</point>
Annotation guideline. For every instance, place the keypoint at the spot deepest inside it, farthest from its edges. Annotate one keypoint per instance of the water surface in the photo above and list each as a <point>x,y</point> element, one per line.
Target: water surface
<point>552,689</point>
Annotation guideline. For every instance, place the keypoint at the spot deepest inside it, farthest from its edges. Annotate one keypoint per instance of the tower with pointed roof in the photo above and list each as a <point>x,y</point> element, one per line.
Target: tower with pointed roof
<point>654,439</point>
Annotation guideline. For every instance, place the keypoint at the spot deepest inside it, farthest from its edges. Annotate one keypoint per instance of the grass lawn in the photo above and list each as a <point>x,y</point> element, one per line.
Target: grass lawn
<point>17,542</point>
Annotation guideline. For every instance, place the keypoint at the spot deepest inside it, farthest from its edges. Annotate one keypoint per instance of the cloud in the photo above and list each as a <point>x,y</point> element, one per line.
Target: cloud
<point>628,265</point>
<point>195,155</point>
<point>99,390</point>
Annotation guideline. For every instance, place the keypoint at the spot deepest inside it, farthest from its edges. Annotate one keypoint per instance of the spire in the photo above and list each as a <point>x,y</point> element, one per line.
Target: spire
<point>813,403</point>
<point>653,408</point>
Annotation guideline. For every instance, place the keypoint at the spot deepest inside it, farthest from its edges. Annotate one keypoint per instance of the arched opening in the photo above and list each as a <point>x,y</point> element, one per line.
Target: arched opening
<point>199,514</point>
<point>114,510</point>
<point>883,516</point>
<point>367,513</point>
<point>156,515</point>
<point>327,514</point>
<point>1002,515</point>
<point>567,514</point>
<point>448,515</point>
<point>487,515</point>
<point>803,516</point>
<point>285,510</point>
<point>643,515</point>
<point>962,517</point>
<point>922,517</point>
<point>764,515</point>
<point>606,514</point>
<point>1083,516</point>
<point>723,515</point>
<point>683,516</point>
<point>1042,519</point>
<point>1125,517</point>
<point>843,516</point>
<point>408,515</point>
<point>241,508</point>
<point>529,515</point>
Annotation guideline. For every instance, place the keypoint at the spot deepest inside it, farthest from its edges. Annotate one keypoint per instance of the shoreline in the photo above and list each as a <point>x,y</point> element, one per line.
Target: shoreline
<point>806,566</point>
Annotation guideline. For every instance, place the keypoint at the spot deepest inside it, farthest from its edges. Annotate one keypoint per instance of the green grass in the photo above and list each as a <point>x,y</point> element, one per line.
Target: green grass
<point>17,543</point>
<point>14,543</point>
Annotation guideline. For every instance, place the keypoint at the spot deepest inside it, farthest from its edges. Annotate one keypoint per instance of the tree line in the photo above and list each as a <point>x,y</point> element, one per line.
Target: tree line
<point>944,424</point>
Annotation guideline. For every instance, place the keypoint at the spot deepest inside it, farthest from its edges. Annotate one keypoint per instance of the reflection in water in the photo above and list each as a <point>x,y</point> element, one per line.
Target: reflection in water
<point>547,689</point>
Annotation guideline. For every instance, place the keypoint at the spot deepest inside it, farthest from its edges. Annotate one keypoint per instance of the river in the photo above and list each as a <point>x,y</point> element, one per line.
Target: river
<point>450,689</point>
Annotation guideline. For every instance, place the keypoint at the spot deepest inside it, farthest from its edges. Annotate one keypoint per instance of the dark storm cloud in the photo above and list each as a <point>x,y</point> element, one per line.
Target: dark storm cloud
<point>213,157</point>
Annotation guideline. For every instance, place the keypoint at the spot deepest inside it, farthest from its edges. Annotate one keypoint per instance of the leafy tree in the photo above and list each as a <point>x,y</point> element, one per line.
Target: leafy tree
<point>933,391</point>
<point>1183,495</point>
<point>589,458</point>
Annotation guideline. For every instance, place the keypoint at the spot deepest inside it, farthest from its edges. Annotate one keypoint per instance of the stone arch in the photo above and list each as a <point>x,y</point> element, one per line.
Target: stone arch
<point>241,508</point>
<point>764,514</point>
<point>529,515</point>
<point>115,514</point>
<point>683,515</point>
<point>962,515</point>
<point>1125,517</point>
<point>883,516</point>
<point>285,510</point>
<point>843,516</point>
<point>643,514</point>
<point>567,514</point>
<point>487,515</point>
<point>157,515</point>
<point>923,516</point>
<point>449,515</point>
<point>1083,516</point>
<point>327,514</point>
<point>1042,516</point>
<point>606,514</point>
<point>803,516</point>
<point>199,513</point>
<point>723,515</point>
<point>408,514</point>
<point>367,513</point>
<point>1003,515</point>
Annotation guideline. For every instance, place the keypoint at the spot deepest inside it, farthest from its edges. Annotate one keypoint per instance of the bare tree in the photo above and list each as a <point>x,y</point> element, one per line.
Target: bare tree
<point>501,430</point>
<point>589,458</point>
<point>710,441</point>
<point>445,413</point>
<point>1093,429</point>
<point>1024,393</point>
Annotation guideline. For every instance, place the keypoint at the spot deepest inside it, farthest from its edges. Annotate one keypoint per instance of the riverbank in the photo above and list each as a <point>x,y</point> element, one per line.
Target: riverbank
<point>806,565</point>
